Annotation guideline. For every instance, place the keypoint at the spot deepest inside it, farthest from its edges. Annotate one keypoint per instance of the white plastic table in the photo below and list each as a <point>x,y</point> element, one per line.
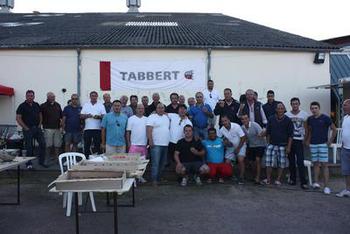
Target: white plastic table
<point>15,163</point>
<point>126,188</point>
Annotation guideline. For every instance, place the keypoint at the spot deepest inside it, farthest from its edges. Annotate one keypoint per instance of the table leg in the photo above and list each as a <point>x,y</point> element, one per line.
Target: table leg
<point>133,195</point>
<point>76,213</point>
<point>115,213</point>
<point>107,199</point>
<point>18,184</point>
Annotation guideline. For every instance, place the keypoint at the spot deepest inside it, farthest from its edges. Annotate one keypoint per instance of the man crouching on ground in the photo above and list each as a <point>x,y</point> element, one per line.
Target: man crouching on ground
<point>189,155</point>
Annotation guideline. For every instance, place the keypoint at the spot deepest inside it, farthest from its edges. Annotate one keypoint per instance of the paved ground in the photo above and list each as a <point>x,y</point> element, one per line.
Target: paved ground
<point>169,208</point>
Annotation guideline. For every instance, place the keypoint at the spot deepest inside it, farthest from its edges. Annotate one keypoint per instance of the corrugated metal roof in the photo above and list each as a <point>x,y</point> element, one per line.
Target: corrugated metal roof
<point>145,30</point>
<point>340,67</point>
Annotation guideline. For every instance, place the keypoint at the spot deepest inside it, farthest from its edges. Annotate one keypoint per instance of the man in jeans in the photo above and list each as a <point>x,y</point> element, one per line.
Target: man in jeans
<point>345,153</point>
<point>189,155</point>
<point>71,124</point>
<point>199,114</point>
<point>52,122</point>
<point>279,137</point>
<point>158,135</point>
<point>299,118</point>
<point>92,112</point>
<point>29,118</point>
<point>113,130</point>
<point>318,128</point>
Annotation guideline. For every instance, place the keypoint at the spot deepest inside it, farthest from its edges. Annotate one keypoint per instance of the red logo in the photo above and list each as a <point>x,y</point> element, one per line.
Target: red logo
<point>189,75</point>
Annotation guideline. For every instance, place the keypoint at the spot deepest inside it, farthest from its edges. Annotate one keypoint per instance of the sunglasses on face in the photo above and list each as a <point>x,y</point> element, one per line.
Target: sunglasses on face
<point>210,95</point>
<point>118,124</point>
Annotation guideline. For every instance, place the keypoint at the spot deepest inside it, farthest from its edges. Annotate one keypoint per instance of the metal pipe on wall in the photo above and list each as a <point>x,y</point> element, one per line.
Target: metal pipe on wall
<point>208,63</point>
<point>79,72</point>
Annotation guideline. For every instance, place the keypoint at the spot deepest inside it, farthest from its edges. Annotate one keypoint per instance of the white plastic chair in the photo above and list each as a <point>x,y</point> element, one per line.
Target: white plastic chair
<point>337,144</point>
<point>69,159</point>
<point>308,165</point>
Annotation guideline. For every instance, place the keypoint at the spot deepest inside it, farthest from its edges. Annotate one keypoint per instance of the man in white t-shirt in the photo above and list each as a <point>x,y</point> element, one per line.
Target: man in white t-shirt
<point>345,153</point>
<point>235,139</point>
<point>211,97</point>
<point>158,134</point>
<point>136,132</point>
<point>177,124</point>
<point>299,119</point>
<point>92,112</point>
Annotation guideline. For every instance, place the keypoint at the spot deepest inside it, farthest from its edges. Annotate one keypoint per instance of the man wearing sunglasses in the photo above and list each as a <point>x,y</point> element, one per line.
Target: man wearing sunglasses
<point>113,130</point>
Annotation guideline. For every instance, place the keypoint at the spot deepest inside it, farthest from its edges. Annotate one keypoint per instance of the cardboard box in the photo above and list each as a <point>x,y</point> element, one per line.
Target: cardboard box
<point>64,183</point>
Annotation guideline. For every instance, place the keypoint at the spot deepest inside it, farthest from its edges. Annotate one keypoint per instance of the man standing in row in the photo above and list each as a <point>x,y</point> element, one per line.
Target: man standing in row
<point>125,108</point>
<point>92,112</point>
<point>173,107</point>
<point>228,107</point>
<point>211,97</point>
<point>52,122</point>
<point>133,103</point>
<point>107,102</point>
<point>153,106</point>
<point>71,123</point>
<point>29,118</point>
<point>113,130</point>
<point>271,104</point>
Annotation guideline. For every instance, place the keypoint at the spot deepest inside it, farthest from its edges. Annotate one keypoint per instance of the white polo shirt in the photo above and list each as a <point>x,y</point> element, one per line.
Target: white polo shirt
<point>233,135</point>
<point>161,129</point>
<point>177,127</point>
<point>346,132</point>
<point>211,98</point>
<point>137,126</point>
<point>93,109</point>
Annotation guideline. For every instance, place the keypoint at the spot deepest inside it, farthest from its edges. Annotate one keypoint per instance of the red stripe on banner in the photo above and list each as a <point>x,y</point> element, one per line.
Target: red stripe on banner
<point>105,76</point>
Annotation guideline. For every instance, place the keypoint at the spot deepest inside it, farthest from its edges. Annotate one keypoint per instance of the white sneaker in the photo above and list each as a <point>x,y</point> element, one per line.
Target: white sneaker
<point>142,180</point>
<point>198,181</point>
<point>316,186</point>
<point>184,182</point>
<point>327,190</point>
<point>344,193</point>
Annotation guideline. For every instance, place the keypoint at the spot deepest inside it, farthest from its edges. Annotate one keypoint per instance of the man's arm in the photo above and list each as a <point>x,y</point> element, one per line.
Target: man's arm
<point>21,123</point>
<point>149,136</point>
<point>127,137</point>
<point>103,138</point>
<point>219,107</point>
<point>334,134</point>
<point>63,122</point>
<point>241,143</point>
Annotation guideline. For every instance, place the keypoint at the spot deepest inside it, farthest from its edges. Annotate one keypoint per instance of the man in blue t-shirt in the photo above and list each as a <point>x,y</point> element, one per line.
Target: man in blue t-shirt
<point>71,124</point>
<point>218,165</point>
<point>318,125</point>
<point>199,114</point>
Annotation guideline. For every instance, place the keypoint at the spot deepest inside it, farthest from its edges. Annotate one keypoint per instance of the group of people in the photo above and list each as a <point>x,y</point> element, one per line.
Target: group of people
<point>187,136</point>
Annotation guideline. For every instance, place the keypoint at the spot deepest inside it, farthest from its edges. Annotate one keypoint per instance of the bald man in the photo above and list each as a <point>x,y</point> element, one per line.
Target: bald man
<point>52,122</point>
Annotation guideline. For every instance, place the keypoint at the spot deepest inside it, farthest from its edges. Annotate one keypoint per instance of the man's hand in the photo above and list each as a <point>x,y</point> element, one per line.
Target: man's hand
<point>236,151</point>
<point>222,103</point>
<point>179,166</point>
<point>287,150</point>
<point>329,143</point>
<point>150,143</point>
<point>193,150</point>
<point>228,161</point>
<point>307,143</point>
<point>103,147</point>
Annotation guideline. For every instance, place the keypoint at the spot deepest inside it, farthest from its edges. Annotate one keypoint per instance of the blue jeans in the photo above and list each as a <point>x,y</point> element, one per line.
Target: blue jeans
<point>202,133</point>
<point>158,159</point>
<point>29,136</point>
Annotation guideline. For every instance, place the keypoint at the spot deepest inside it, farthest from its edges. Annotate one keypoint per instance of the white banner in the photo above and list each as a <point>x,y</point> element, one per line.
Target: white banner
<point>187,75</point>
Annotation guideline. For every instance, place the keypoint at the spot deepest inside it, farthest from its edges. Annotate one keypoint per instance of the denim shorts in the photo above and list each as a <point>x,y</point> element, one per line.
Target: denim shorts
<point>345,161</point>
<point>72,137</point>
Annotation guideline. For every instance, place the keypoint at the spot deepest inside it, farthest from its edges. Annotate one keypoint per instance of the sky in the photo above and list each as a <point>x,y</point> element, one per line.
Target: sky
<point>317,19</point>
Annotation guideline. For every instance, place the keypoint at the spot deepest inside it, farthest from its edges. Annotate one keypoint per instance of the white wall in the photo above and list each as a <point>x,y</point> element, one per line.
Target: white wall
<point>289,74</point>
<point>39,70</point>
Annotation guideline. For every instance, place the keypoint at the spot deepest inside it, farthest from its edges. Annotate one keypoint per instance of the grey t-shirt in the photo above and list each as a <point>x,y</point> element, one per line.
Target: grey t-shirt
<point>252,133</point>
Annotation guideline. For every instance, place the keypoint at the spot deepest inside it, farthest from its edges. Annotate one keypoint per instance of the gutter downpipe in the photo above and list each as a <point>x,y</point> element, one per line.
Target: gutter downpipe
<point>208,64</point>
<point>79,72</point>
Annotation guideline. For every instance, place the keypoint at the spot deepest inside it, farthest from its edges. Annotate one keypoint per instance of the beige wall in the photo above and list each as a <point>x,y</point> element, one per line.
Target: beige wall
<point>41,71</point>
<point>288,73</point>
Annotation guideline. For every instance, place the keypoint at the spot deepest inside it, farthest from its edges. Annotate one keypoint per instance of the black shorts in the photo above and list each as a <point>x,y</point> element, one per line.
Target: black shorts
<point>256,152</point>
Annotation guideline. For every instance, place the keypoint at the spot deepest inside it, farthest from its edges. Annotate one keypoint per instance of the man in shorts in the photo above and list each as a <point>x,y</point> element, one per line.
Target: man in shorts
<point>345,153</point>
<point>256,143</point>
<point>279,137</point>
<point>71,124</point>
<point>189,154</point>
<point>234,138</point>
<point>318,126</point>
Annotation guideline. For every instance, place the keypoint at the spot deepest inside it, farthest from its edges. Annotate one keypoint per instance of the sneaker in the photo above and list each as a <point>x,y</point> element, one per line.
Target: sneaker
<point>304,186</point>
<point>221,180</point>
<point>278,183</point>
<point>198,180</point>
<point>183,182</point>
<point>344,193</point>
<point>327,190</point>
<point>30,167</point>
<point>316,186</point>
<point>241,181</point>
<point>142,180</point>
<point>265,182</point>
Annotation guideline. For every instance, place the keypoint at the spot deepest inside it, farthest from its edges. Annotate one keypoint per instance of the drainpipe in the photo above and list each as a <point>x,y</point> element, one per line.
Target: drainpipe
<point>78,72</point>
<point>208,63</point>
